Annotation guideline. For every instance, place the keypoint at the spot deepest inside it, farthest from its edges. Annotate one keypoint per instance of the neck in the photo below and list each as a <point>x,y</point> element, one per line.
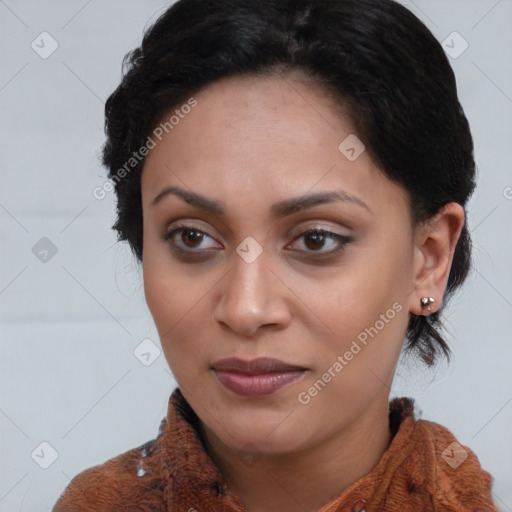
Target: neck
<point>305,480</point>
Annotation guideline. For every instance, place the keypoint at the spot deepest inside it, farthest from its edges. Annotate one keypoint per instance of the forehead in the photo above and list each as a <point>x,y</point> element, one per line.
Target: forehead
<point>259,140</point>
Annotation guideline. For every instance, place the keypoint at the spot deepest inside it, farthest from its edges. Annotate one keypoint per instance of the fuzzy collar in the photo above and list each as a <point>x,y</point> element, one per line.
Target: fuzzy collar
<point>417,472</point>
<point>424,469</point>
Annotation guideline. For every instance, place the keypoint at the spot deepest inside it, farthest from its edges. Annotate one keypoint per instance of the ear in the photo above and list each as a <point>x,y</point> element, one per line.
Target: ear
<point>435,243</point>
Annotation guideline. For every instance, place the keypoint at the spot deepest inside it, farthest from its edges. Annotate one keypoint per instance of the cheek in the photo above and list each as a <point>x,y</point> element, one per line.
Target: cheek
<point>177,311</point>
<point>166,287</point>
<point>359,293</point>
<point>172,316</point>
<point>364,306</point>
<point>353,365</point>
<point>158,290</point>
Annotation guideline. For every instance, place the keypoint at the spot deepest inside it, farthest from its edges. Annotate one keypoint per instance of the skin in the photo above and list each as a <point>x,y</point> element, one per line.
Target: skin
<point>249,143</point>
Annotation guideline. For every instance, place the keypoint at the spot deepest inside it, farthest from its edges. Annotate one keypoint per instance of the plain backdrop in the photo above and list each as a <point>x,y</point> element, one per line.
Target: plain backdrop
<point>72,310</point>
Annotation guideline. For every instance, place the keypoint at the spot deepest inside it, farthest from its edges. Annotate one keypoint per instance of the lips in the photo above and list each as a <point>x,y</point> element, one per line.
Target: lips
<point>254,367</point>
<point>256,378</point>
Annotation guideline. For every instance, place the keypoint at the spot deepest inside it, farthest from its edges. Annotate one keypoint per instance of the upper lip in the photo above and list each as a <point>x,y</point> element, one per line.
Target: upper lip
<point>255,366</point>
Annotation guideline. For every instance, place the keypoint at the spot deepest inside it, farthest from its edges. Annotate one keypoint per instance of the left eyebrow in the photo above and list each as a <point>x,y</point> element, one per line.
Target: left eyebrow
<point>279,209</point>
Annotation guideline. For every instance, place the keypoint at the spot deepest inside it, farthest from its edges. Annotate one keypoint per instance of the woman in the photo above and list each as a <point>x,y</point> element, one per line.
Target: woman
<point>292,176</point>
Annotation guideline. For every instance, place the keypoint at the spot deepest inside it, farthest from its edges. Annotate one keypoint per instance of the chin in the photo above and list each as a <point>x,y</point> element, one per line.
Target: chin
<point>261,433</point>
<point>259,443</point>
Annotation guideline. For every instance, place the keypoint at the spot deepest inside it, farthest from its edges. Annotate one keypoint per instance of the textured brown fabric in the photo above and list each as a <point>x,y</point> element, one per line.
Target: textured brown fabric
<point>174,473</point>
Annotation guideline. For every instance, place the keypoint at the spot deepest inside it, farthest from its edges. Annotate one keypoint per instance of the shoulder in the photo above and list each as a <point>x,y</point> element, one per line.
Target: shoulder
<point>457,480</point>
<point>133,478</point>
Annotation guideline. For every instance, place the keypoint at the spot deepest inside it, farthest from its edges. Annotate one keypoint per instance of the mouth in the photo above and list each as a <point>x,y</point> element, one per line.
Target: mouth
<point>258,377</point>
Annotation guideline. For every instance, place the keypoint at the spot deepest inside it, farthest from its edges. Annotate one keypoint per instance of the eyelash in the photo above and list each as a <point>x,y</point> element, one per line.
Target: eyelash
<point>342,241</point>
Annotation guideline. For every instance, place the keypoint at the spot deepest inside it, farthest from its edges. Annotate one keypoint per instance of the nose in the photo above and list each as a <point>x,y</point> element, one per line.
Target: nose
<point>253,296</point>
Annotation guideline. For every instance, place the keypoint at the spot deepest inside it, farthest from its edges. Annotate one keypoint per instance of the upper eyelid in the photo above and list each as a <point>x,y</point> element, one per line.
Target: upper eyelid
<point>189,225</point>
<point>317,223</point>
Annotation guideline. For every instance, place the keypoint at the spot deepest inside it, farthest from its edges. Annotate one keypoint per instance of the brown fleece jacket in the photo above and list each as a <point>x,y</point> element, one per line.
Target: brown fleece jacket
<point>423,469</point>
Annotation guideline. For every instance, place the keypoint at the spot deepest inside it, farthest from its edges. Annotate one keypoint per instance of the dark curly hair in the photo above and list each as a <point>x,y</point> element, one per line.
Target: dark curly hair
<point>374,56</point>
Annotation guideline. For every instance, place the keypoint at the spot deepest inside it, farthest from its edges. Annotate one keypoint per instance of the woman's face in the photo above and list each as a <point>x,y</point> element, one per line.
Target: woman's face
<point>233,269</point>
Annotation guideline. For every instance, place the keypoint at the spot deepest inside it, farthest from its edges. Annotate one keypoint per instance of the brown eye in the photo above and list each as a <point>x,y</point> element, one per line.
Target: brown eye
<point>191,238</point>
<point>187,239</point>
<point>315,240</point>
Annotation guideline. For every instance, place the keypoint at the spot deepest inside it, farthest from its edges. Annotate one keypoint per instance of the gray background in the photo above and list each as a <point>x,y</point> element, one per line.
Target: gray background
<point>71,321</point>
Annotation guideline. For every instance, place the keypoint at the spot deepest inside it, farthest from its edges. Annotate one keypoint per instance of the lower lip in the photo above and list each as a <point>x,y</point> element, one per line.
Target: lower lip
<point>257,385</point>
